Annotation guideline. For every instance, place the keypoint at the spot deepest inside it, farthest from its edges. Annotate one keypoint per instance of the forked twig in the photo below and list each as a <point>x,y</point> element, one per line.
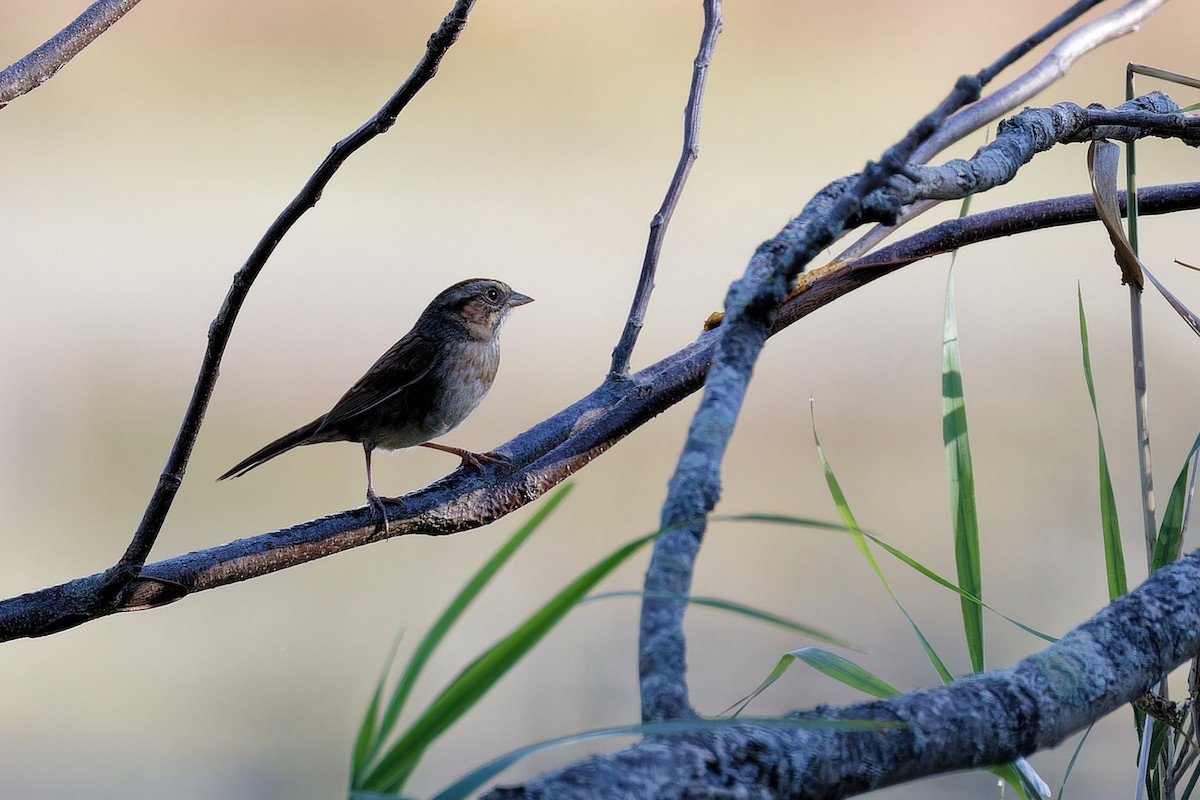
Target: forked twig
<point>1049,69</point>
<point>696,483</point>
<point>695,486</point>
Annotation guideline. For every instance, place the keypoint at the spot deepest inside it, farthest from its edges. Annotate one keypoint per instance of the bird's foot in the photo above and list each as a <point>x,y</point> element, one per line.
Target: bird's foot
<point>376,503</point>
<point>477,460</point>
<point>470,459</point>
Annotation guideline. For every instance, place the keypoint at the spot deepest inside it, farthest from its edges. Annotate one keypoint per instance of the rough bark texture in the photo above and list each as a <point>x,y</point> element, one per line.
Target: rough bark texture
<point>977,721</point>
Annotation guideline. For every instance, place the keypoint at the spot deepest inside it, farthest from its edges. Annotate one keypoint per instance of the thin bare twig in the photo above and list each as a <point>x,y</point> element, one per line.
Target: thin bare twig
<point>658,226</point>
<point>139,548</point>
<point>1015,54</point>
<point>1051,68</point>
<point>544,455</point>
<point>30,72</point>
<point>1141,405</point>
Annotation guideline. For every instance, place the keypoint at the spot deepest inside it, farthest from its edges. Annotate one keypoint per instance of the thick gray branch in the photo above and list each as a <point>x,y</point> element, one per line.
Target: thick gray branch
<point>977,721</point>
<point>877,194</point>
<point>39,66</point>
<point>1035,131</point>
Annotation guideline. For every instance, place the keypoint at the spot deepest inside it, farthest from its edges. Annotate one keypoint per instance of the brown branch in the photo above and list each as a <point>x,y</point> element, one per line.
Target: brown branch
<point>658,226</point>
<point>30,72</point>
<point>119,576</point>
<point>838,279</point>
<point>542,456</point>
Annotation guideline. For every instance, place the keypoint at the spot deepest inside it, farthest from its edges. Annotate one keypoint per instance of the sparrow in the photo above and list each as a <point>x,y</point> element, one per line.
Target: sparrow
<point>420,389</point>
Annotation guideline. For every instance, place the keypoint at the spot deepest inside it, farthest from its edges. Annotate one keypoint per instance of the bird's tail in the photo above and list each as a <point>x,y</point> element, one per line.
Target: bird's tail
<point>278,447</point>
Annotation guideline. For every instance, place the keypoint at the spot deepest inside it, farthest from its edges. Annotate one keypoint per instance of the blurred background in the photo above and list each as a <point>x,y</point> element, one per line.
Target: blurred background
<point>136,182</point>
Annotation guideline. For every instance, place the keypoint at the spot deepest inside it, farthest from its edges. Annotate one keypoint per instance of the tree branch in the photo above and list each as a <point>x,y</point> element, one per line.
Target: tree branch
<point>977,721</point>
<point>118,578</point>
<point>30,72</point>
<point>542,456</point>
<point>696,483</point>
<point>749,308</point>
<point>658,226</point>
<point>836,279</point>
<point>1051,68</point>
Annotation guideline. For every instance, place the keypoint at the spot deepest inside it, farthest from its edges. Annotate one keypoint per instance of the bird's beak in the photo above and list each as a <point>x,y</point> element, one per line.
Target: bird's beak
<point>517,299</point>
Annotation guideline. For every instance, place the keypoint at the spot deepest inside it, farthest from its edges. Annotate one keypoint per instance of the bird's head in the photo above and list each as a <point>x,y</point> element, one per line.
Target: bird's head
<point>479,305</point>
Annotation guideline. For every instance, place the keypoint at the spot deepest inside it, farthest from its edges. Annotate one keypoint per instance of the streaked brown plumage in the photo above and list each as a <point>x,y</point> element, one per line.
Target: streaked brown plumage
<point>420,389</point>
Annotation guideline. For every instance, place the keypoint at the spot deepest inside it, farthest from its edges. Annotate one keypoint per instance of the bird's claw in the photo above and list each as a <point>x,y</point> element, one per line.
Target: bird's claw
<point>477,460</point>
<point>377,503</point>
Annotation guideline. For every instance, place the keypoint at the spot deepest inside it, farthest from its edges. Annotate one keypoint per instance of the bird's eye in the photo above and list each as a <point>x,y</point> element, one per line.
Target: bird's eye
<point>493,295</point>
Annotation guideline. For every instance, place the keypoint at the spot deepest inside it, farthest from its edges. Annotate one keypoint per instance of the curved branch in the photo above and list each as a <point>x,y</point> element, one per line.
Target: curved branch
<point>30,72</point>
<point>977,721</point>
<point>695,486</point>
<point>836,279</point>
<point>542,456</point>
<point>118,577</point>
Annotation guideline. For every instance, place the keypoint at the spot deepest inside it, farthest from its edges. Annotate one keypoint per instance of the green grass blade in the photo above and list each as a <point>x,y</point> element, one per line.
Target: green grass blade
<point>397,764</point>
<point>445,622</point>
<point>1191,785</point>
<point>364,742</point>
<point>1160,735</point>
<point>840,669</point>
<point>1170,532</point>
<point>839,499</point>
<point>964,208</point>
<point>895,552</point>
<point>963,594</point>
<point>361,754</point>
<point>780,667</point>
<point>1017,778</point>
<point>1071,764</point>
<point>1110,527</point>
<point>782,519</point>
<point>962,482</point>
<point>750,612</point>
<point>845,671</point>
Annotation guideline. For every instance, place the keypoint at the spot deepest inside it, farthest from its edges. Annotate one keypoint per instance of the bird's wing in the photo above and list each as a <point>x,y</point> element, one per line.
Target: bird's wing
<point>408,362</point>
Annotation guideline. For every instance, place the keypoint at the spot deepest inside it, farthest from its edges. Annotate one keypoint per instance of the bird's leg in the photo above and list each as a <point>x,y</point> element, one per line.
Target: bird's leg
<point>372,498</point>
<point>469,459</point>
